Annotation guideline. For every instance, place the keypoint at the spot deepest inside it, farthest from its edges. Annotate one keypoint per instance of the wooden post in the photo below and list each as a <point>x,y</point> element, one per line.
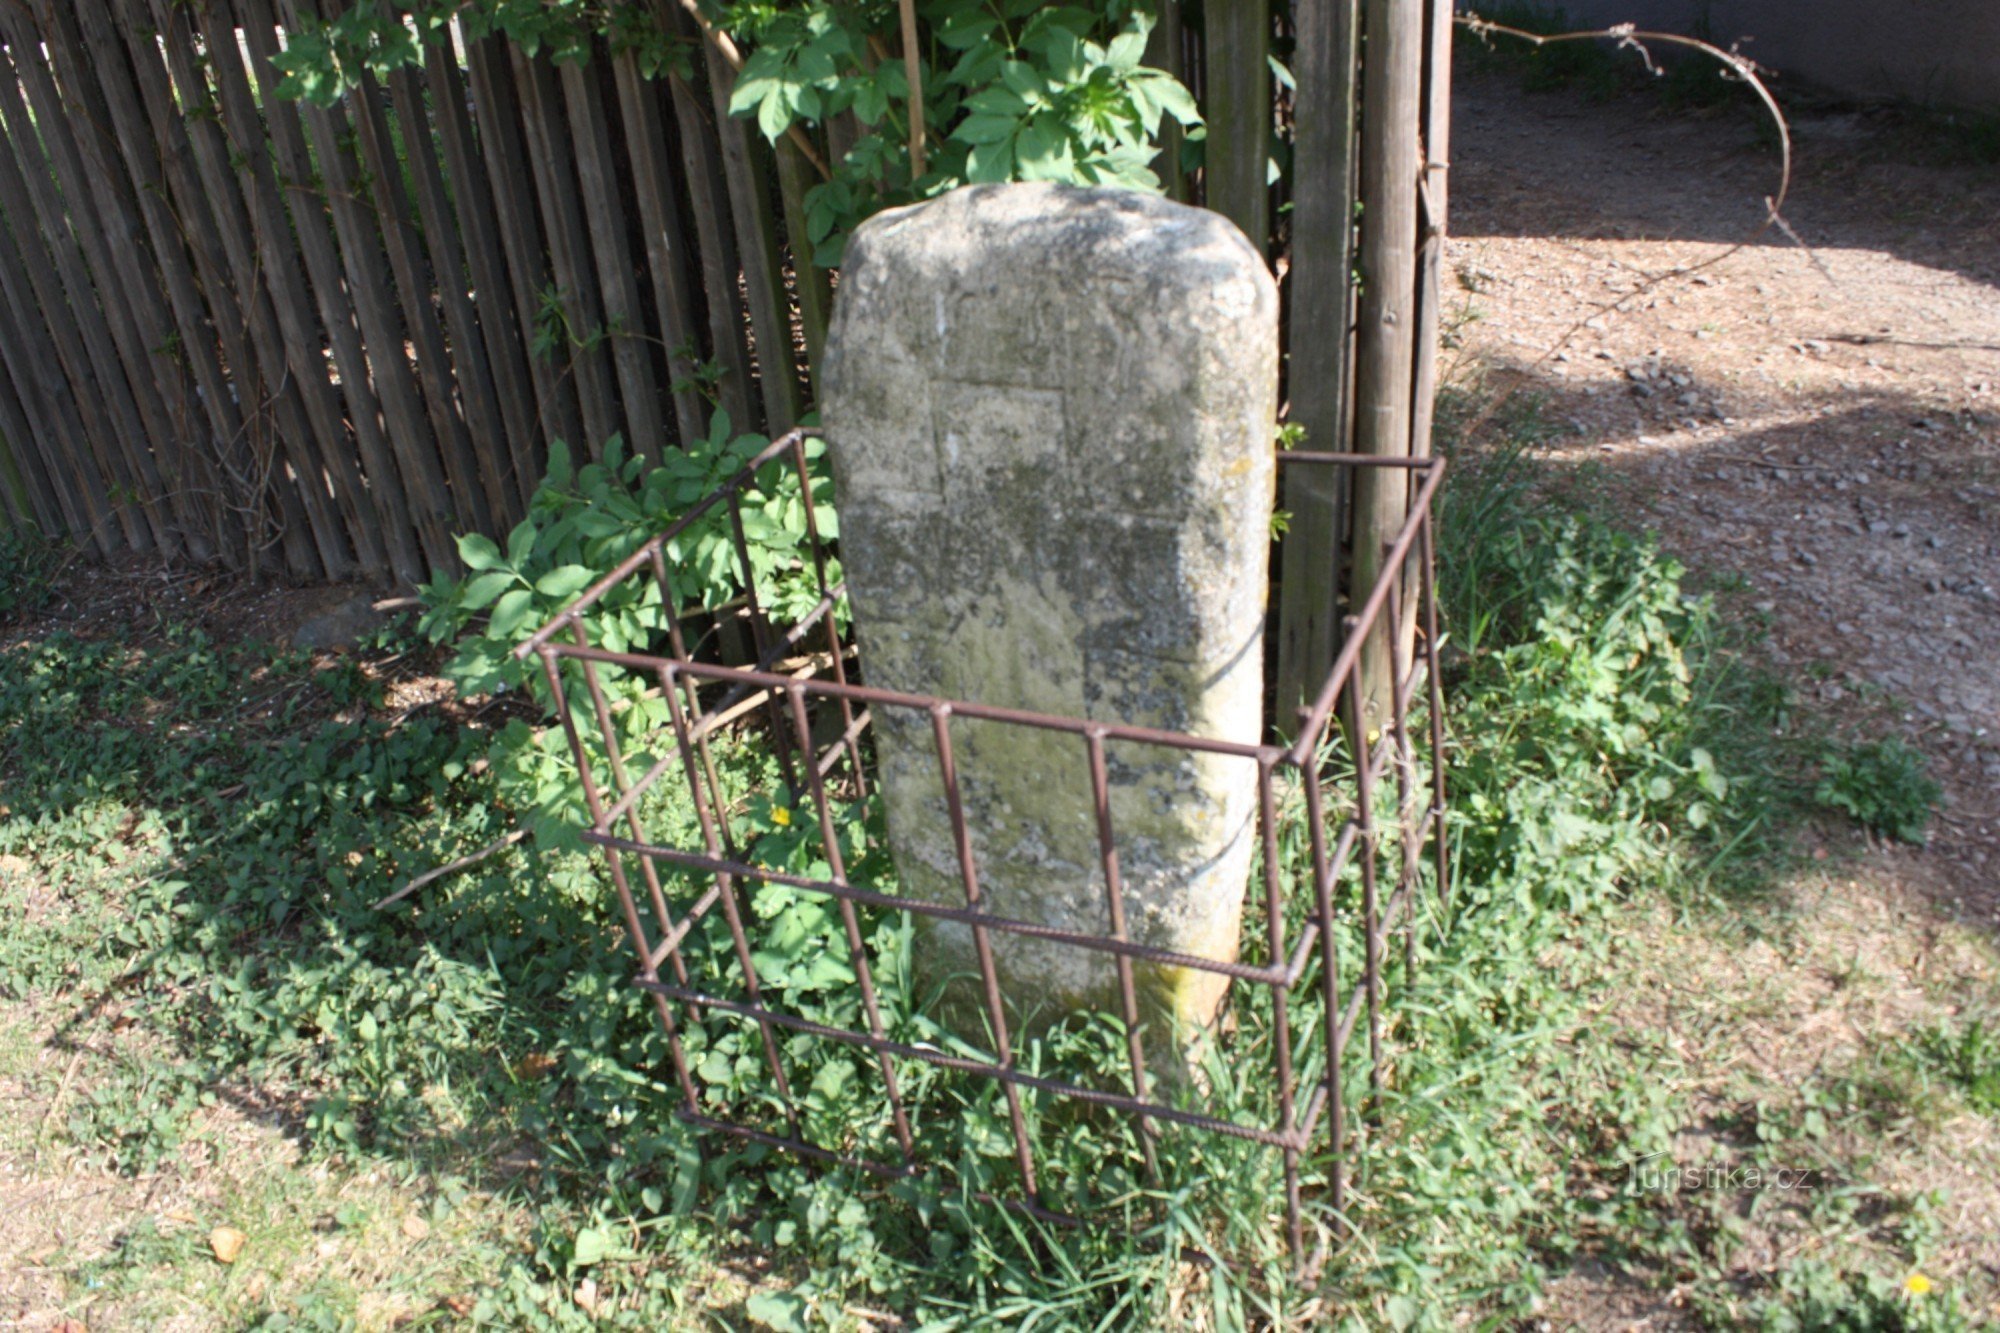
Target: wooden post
<point>1386,349</point>
<point>442,231</point>
<point>494,307</point>
<point>1165,50</point>
<point>716,239</point>
<point>66,309</point>
<point>356,308</point>
<point>655,183</point>
<point>608,244</point>
<point>809,281</point>
<point>569,248</point>
<point>1321,342</point>
<point>1431,199</point>
<point>745,163</point>
<point>98,81</point>
<point>99,201</point>
<point>1236,170</point>
<point>494,109</point>
<point>278,321</point>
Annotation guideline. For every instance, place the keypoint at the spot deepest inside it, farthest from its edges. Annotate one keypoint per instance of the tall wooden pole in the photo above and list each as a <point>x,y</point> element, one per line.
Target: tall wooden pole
<point>1436,150</point>
<point>1236,170</point>
<point>1387,330</point>
<point>1320,338</point>
<point>1164,51</point>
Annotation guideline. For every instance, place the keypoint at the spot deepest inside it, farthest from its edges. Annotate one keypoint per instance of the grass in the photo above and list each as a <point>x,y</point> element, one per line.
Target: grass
<point>458,1112</point>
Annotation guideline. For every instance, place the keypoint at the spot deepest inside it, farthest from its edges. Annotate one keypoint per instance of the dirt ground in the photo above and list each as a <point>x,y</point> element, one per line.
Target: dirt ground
<point>1820,417</point>
<point>1814,422</point>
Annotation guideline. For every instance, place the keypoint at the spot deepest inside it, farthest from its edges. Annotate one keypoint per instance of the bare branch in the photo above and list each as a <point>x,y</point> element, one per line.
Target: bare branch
<point>1629,37</point>
<point>490,849</point>
<point>913,73</point>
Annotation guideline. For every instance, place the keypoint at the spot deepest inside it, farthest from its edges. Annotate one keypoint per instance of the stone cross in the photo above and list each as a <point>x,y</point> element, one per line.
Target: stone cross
<point>1051,416</point>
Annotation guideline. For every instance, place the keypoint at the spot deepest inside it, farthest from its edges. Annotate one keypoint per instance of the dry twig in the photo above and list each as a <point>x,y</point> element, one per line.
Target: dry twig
<point>493,848</point>
<point>1630,37</point>
<point>913,73</point>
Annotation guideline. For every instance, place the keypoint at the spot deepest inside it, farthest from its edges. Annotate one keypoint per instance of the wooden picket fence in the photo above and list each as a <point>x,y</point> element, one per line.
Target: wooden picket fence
<point>237,328</point>
<point>323,342</point>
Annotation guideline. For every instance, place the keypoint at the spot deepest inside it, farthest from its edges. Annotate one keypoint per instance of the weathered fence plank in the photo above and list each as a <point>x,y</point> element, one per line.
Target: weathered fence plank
<point>811,292</point>
<point>506,351</point>
<point>354,308</point>
<point>287,348</point>
<point>97,86</point>
<point>130,294</point>
<point>303,268</point>
<point>1322,344</point>
<point>1434,138</point>
<point>488,456</point>
<point>518,218</point>
<point>717,243</point>
<point>208,211</point>
<point>1236,170</point>
<point>66,304</point>
<point>1166,49</point>
<point>435,504</point>
<point>133,400</point>
<point>1385,352</point>
<point>583,333</point>
<point>42,394</point>
<point>744,162</point>
<point>476,492</point>
<point>666,246</point>
<point>610,247</point>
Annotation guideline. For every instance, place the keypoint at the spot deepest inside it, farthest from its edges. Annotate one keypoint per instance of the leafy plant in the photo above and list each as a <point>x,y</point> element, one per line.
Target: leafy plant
<point>1969,1059</point>
<point>1884,785</point>
<point>1011,90</point>
<point>195,835</point>
<point>581,524</point>
<point>1019,91</point>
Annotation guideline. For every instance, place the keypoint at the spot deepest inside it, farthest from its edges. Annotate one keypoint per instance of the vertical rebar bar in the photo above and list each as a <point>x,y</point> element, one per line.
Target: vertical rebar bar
<point>1114,893</point>
<point>733,914</point>
<point>981,942</point>
<point>1436,682</point>
<point>1329,973</point>
<point>857,950</point>
<point>593,801</point>
<point>833,644</point>
<point>1281,1024</point>
<point>1364,806</point>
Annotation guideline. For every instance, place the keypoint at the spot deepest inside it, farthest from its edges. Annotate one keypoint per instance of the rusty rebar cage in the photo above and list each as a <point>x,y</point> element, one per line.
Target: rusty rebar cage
<point>1363,780</point>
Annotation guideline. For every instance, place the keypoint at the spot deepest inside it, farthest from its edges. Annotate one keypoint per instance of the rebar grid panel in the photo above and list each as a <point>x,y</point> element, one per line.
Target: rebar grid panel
<point>1372,798</point>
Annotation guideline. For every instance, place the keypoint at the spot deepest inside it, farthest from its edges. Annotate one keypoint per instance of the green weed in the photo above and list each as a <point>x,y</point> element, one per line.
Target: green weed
<point>1968,1059</point>
<point>1883,785</point>
<point>216,837</point>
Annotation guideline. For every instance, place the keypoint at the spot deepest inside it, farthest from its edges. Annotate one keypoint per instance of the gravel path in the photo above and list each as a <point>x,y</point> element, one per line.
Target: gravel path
<point>1822,419</point>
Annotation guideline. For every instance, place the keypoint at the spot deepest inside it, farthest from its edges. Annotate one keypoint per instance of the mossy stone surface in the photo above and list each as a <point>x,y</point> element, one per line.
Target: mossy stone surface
<point>1050,411</point>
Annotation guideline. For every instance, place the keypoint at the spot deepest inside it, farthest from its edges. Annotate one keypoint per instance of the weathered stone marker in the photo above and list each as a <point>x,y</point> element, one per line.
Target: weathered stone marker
<point>1050,411</point>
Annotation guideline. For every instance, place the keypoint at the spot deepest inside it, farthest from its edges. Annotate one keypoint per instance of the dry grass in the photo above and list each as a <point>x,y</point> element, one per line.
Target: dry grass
<point>110,1251</point>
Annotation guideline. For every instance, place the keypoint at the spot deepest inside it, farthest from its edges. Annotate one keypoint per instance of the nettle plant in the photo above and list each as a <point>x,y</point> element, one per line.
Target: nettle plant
<point>581,524</point>
<point>1011,89</point>
<point>1019,91</point>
